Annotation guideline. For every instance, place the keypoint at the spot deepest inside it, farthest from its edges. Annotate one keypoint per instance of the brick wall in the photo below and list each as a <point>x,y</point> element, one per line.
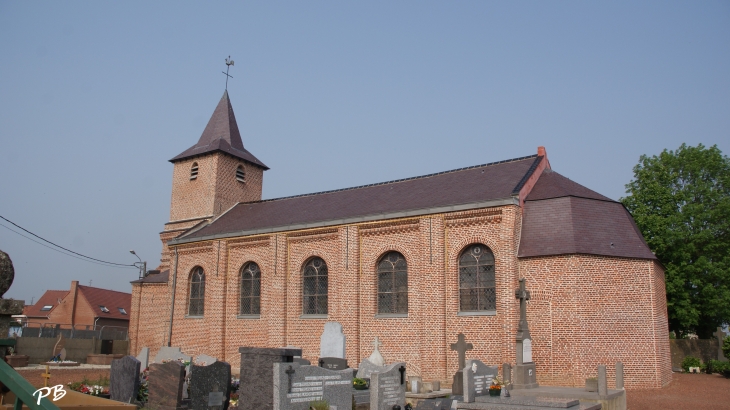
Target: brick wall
<point>585,310</point>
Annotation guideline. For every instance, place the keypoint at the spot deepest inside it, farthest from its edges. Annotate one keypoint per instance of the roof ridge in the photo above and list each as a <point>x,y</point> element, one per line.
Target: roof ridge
<point>528,174</point>
<point>106,290</point>
<point>574,196</point>
<point>392,181</point>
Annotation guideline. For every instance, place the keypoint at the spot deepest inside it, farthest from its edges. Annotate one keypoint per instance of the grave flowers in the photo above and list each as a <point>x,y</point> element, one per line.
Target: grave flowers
<point>495,389</point>
<point>92,387</point>
<point>360,384</point>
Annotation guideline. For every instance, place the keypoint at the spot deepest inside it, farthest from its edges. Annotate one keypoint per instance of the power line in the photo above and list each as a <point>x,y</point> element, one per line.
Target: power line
<point>80,256</point>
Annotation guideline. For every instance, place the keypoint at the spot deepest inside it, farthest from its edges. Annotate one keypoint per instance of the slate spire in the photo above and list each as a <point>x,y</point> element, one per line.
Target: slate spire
<point>221,134</point>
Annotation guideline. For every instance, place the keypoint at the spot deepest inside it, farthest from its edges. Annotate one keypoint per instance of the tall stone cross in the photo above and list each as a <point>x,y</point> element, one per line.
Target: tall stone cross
<point>461,347</point>
<point>523,295</point>
<point>377,343</point>
<point>720,335</point>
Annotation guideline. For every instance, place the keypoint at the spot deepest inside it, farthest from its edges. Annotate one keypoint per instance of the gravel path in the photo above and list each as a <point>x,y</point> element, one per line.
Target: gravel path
<point>685,392</point>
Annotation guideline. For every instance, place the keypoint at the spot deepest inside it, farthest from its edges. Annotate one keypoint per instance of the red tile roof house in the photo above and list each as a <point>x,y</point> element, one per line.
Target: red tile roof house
<point>84,307</point>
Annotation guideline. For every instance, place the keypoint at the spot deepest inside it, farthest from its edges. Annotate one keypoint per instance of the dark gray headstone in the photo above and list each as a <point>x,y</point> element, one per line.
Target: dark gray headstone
<point>442,403</point>
<point>333,363</point>
<point>124,379</point>
<point>303,362</point>
<point>257,373</point>
<point>477,379</point>
<point>296,386</point>
<point>388,388</point>
<point>166,385</point>
<point>209,386</point>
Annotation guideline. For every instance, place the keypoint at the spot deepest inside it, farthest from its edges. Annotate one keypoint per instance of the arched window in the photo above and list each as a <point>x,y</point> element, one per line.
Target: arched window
<point>476,279</point>
<point>314,287</point>
<point>392,284</point>
<point>250,289</point>
<point>240,174</point>
<point>197,292</point>
<point>194,171</point>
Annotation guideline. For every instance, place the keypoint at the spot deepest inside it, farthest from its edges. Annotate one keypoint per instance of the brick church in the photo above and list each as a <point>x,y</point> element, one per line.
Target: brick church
<point>413,261</point>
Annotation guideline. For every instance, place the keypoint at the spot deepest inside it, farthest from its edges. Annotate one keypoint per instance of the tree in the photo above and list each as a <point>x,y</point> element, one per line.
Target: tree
<point>681,203</point>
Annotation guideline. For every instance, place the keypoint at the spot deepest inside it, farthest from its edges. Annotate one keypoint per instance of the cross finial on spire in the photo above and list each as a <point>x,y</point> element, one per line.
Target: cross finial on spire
<point>229,63</point>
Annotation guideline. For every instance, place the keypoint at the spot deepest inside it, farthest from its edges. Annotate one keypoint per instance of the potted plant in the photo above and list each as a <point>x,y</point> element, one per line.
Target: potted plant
<point>360,384</point>
<point>495,389</point>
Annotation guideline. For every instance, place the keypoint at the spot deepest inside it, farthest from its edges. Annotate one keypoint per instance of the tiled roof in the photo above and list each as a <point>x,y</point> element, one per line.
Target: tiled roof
<point>412,196</point>
<point>154,276</point>
<point>111,299</point>
<point>563,217</point>
<point>221,134</point>
<point>50,298</point>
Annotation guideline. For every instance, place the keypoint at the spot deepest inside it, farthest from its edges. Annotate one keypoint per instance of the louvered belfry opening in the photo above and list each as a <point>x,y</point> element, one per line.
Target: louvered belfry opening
<point>392,284</point>
<point>250,289</point>
<point>194,171</point>
<point>477,290</point>
<point>314,287</point>
<point>240,174</point>
<point>197,292</point>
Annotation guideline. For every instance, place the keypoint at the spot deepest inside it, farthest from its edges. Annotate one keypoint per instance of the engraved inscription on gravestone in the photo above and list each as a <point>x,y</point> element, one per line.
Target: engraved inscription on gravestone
<point>477,379</point>
<point>295,386</point>
<point>388,388</point>
<point>527,350</point>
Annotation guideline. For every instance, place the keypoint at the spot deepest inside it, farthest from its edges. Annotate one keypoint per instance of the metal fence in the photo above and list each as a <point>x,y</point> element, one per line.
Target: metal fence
<point>35,329</point>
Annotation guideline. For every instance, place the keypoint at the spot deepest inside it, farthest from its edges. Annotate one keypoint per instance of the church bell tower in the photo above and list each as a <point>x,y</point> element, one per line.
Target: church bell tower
<point>212,176</point>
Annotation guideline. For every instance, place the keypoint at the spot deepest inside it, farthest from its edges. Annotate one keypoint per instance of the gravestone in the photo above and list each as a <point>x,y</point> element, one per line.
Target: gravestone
<point>376,358</point>
<point>434,404</point>
<point>332,342</point>
<point>144,358</point>
<point>204,360</point>
<point>303,362</point>
<point>209,386</point>
<point>367,367</point>
<point>507,375</point>
<point>457,386</point>
<point>619,375</point>
<point>257,373</point>
<point>388,388</point>
<point>59,347</point>
<point>416,384</point>
<point>477,379</point>
<point>525,376</point>
<point>602,380</point>
<point>165,384</point>
<point>171,353</point>
<point>720,335</point>
<point>124,379</point>
<point>333,363</point>
<point>295,386</point>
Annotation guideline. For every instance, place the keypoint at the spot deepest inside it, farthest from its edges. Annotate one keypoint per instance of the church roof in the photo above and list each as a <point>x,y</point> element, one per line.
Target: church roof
<point>474,187</point>
<point>221,135</point>
<point>563,217</point>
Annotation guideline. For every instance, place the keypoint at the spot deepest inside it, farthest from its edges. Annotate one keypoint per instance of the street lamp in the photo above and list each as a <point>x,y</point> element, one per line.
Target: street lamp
<point>141,265</point>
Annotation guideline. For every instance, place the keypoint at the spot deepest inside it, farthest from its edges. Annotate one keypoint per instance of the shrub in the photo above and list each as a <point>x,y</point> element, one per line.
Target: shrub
<point>690,361</point>
<point>726,347</point>
<point>319,405</point>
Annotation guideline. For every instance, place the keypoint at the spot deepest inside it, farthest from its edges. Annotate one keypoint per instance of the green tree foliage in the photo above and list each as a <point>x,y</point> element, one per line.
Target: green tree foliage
<point>681,203</point>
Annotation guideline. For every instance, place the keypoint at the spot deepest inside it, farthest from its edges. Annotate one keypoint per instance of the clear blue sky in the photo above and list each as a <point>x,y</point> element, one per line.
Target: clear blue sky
<point>95,97</point>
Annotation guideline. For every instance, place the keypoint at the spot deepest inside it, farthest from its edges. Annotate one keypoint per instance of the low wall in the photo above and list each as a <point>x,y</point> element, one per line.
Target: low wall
<point>704,349</point>
<point>40,349</point>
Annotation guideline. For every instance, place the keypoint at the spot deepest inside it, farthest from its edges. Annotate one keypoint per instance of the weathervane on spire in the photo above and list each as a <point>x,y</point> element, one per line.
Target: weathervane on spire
<point>229,63</point>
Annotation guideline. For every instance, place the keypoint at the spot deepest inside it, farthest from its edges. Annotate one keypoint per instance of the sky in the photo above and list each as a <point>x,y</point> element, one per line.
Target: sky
<point>96,97</point>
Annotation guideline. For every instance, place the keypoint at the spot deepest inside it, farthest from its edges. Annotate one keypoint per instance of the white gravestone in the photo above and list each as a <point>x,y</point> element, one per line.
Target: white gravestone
<point>376,358</point>
<point>332,342</point>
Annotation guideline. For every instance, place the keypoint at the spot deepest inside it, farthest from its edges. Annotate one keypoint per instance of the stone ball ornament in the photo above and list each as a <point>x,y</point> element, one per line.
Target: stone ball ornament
<point>7,273</point>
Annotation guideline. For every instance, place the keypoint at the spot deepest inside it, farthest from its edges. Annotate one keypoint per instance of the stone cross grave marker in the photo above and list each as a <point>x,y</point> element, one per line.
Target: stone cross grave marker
<point>332,342</point>
<point>477,379</point>
<point>720,335</point>
<point>366,368</point>
<point>457,387</point>
<point>257,374</point>
<point>388,388</point>
<point>166,385</point>
<point>295,386</point>
<point>144,357</point>
<point>525,376</point>
<point>124,379</point>
<point>209,386</point>
<point>171,353</point>
<point>376,358</point>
